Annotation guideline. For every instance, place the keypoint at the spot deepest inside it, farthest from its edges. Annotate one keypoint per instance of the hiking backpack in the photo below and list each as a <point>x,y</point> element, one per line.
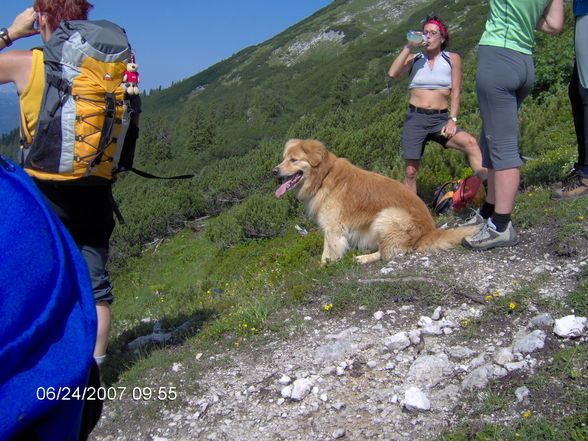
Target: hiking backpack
<point>456,195</point>
<point>87,125</point>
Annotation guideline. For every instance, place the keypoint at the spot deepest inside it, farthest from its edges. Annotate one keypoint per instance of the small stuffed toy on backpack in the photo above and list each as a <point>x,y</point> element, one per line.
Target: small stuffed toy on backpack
<point>131,78</point>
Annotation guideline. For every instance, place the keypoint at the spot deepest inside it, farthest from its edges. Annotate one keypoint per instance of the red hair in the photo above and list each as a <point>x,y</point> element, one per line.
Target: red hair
<point>57,10</point>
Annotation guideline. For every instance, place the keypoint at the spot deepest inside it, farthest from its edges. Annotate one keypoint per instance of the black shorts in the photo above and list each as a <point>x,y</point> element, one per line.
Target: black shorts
<point>420,128</point>
<point>87,213</point>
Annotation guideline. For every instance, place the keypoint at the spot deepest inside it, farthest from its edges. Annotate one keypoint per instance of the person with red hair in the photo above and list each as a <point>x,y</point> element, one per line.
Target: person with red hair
<point>434,80</point>
<point>85,210</point>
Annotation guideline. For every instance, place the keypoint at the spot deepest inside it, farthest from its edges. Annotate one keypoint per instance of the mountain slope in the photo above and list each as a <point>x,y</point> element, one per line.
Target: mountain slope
<point>324,77</point>
<point>9,109</point>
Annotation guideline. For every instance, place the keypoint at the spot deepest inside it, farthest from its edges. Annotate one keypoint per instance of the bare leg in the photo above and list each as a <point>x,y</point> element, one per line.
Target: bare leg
<point>411,168</point>
<point>103,314</point>
<point>506,184</point>
<point>466,143</point>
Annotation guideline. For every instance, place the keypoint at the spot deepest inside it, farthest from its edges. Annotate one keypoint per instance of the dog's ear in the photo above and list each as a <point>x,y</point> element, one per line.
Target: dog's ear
<point>315,151</point>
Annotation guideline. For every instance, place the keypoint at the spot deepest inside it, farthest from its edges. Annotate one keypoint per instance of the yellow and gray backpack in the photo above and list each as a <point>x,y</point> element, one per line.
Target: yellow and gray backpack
<point>87,125</point>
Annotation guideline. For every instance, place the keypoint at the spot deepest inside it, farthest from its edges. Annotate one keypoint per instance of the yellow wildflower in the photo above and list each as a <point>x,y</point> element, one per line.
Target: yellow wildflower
<point>489,297</point>
<point>580,217</point>
<point>327,307</point>
<point>527,414</point>
<point>512,305</point>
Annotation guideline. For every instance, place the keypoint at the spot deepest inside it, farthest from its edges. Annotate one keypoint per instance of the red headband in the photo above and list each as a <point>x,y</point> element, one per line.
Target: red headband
<point>440,26</point>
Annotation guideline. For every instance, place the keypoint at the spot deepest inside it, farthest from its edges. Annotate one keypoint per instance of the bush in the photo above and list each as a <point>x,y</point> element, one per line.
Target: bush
<point>260,216</point>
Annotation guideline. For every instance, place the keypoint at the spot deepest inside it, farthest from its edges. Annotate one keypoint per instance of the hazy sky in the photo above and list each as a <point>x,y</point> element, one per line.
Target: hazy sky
<point>178,38</point>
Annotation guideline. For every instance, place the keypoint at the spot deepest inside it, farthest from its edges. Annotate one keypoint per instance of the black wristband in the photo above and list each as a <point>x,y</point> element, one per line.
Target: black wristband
<point>5,37</point>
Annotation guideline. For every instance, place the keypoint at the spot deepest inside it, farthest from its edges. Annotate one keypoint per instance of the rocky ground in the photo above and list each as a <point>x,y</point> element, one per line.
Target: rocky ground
<point>402,372</point>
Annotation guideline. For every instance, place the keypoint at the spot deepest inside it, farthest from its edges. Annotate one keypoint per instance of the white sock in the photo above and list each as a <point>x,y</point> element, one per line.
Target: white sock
<point>100,360</point>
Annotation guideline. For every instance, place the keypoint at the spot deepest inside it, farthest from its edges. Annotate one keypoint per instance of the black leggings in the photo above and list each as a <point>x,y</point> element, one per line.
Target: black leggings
<point>579,100</point>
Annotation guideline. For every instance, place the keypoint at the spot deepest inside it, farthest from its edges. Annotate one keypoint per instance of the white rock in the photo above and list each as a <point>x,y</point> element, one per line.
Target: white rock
<point>176,367</point>
<point>477,379</point>
<point>415,399</point>
<point>300,388</point>
<point>541,320</point>
<point>390,366</point>
<point>515,366</point>
<point>522,393</point>
<point>477,362</point>
<point>438,313</point>
<point>530,343</point>
<point>570,326</point>
<point>339,433</point>
<point>425,321</point>
<point>415,336</point>
<point>287,391</point>
<point>285,380</point>
<point>432,330</point>
<point>460,352</point>
<point>429,370</point>
<point>371,364</point>
<point>378,315</point>
<point>397,342</point>
<point>446,323</point>
<point>147,339</point>
<point>503,356</point>
<point>498,372</point>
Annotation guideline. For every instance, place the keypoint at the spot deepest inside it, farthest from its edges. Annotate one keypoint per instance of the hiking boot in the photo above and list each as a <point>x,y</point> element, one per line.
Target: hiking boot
<point>474,218</point>
<point>488,237</point>
<point>573,185</point>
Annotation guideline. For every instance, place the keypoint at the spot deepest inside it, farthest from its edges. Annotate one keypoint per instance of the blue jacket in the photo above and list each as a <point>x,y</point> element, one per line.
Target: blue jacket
<point>47,315</point>
<point>580,7</point>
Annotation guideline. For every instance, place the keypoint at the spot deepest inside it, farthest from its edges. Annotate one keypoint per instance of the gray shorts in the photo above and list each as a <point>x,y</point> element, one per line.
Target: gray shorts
<point>420,128</point>
<point>96,259</point>
<point>504,78</point>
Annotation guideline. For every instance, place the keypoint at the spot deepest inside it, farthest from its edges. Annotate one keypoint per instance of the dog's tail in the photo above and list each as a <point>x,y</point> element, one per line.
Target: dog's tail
<point>440,239</point>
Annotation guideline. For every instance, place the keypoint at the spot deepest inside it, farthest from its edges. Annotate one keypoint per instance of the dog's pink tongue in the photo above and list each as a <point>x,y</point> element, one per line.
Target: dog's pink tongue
<point>283,188</point>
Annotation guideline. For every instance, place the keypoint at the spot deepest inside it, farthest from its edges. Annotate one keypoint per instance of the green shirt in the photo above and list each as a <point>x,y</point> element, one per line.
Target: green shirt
<point>512,23</point>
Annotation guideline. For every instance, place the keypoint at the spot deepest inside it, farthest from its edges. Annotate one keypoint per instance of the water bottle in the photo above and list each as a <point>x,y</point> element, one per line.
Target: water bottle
<point>415,37</point>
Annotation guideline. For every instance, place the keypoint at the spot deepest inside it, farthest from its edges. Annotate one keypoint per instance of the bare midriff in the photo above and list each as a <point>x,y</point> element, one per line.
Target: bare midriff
<point>430,98</point>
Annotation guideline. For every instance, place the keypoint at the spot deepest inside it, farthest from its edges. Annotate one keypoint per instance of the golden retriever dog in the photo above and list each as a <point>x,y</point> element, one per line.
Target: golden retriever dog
<point>356,208</point>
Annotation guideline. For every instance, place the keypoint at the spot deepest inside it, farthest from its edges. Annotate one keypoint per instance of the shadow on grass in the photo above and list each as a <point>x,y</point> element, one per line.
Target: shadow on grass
<point>122,358</point>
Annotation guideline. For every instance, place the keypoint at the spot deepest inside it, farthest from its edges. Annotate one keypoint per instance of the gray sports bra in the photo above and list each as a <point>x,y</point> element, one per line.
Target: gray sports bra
<point>423,77</point>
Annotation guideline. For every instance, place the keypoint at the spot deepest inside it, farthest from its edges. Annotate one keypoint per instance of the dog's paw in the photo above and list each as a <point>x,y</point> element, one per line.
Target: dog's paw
<point>368,258</point>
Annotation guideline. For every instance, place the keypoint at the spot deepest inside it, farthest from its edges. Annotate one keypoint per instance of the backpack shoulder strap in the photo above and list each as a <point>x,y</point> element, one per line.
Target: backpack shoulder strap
<point>414,60</point>
<point>446,57</point>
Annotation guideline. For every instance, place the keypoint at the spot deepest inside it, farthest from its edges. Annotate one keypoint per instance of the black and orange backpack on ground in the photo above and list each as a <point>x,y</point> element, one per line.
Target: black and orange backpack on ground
<point>457,194</point>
